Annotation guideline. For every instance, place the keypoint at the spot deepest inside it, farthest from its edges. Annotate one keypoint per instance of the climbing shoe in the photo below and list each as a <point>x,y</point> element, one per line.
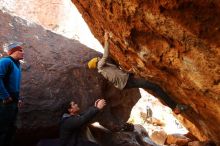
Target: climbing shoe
<point>180,108</point>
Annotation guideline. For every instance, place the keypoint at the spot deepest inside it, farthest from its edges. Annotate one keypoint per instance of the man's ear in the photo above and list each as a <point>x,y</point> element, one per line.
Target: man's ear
<point>69,110</point>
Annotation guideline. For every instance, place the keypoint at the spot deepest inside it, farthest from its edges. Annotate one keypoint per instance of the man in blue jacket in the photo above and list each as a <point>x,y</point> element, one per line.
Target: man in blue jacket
<point>10,77</point>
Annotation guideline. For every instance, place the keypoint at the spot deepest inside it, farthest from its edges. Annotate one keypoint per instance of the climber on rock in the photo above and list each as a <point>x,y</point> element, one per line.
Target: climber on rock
<point>124,80</point>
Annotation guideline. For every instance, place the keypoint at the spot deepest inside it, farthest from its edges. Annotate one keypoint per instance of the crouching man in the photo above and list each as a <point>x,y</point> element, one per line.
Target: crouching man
<point>73,122</point>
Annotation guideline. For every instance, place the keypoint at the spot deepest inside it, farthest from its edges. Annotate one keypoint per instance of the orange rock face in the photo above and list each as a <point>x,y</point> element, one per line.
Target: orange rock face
<point>172,43</point>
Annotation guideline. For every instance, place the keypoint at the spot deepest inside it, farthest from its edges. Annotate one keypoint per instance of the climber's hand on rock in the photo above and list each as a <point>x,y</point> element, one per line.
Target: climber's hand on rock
<point>100,103</point>
<point>106,36</point>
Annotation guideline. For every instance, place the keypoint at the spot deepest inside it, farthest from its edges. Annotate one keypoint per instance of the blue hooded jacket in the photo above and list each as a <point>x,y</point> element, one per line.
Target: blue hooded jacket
<point>10,78</point>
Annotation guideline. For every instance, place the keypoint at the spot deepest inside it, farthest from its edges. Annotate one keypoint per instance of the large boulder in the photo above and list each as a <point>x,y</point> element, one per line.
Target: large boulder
<point>121,138</point>
<point>172,43</point>
<point>55,72</point>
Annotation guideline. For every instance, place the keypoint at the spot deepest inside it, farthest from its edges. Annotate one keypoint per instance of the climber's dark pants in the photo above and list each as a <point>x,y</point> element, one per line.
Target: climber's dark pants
<point>143,83</point>
<point>8,116</point>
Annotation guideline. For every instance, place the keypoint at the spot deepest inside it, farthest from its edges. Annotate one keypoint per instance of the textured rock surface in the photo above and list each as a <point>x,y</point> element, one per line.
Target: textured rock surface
<point>39,12</point>
<point>122,138</point>
<point>177,139</point>
<point>173,43</point>
<point>51,14</point>
<point>55,73</point>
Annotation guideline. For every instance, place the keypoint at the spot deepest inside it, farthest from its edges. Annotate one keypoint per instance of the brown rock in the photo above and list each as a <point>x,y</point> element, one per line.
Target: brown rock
<point>156,122</point>
<point>192,137</point>
<point>195,143</point>
<point>172,43</point>
<point>56,72</point>
<point>159,137</point>
<point>140,130</point>
<point>200,143</point>
<point>177,139</point>
<point>108,138</point>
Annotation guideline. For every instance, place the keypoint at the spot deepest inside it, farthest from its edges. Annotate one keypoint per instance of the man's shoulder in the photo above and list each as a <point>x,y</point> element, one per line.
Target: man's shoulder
<point>5,60</point>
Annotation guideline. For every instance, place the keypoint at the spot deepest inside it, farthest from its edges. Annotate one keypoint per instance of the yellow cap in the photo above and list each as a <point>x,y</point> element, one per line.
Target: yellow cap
<point>93,63</point>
